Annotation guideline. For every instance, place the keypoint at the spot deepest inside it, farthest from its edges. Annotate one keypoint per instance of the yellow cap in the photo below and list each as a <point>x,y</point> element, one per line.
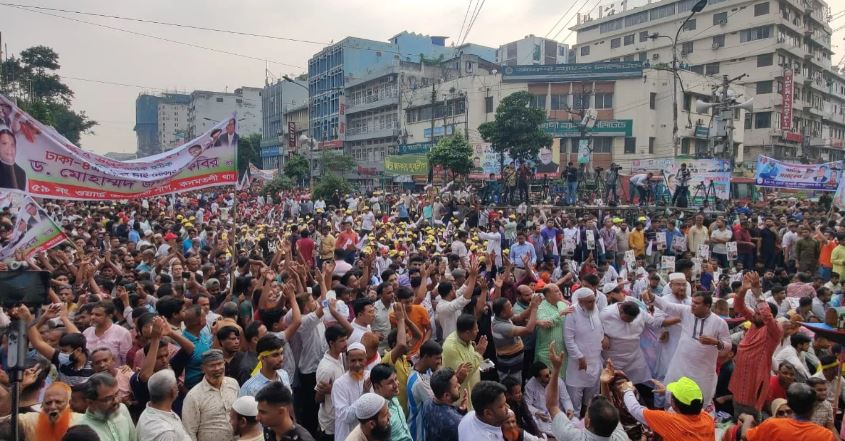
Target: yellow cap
<point>685,390</point>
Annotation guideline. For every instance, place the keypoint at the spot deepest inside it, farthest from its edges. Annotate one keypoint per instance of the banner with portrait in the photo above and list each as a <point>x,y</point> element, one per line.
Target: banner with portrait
<point>25,227</point>
<point>839,196</point>
<point>702,172</point>
<point>261,174</point>
<point>778,174</point>
<point>36,159</point>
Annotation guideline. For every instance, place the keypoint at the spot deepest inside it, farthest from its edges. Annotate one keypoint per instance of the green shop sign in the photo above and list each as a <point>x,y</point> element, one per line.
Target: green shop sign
<point>572,72</point>
<point>408,165</point>
<point>572,129</point>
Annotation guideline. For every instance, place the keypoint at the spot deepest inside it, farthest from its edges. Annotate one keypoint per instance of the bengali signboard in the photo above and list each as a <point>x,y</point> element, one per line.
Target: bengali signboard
<point>407,165</point>
<point>702,171</point>
<point>260,174</point>
<point>563,72</point>
<point>39,161</point>
<point>572,129</point>
<point>32,230</point>
<point>291,136</point>
<point>419,148</point>
<point>778,174</point>
<point>786,103</point>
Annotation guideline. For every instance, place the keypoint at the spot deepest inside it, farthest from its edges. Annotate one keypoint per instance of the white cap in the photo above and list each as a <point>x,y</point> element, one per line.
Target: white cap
<point>355,346</point>
<point>582,293</point>
<point>368,405</point>
<point>677,276</point>
<point>608,287</point>
<point>246,406</point>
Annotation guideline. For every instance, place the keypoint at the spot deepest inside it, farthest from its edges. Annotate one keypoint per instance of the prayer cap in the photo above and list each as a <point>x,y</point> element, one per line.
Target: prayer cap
<point>368,405</point>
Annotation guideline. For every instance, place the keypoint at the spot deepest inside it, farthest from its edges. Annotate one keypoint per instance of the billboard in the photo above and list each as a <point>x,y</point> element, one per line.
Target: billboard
<point>572,72</point>
<point>778,174</point>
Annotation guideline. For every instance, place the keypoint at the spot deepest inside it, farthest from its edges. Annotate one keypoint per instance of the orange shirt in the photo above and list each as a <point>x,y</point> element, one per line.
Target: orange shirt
<point>678,427</point>
<point>827,250</point>
<point>419,317</point>
<point>775,429</point>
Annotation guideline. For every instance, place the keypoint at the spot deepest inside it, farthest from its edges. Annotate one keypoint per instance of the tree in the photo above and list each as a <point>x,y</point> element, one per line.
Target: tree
<point>33,81</point>
<point>248,152</point>
<point>453,153</point>
<point>331,188</point>
<point>335,163</point>
<point>516,129</point>
<point>279,183</point>
<point>297,169</point>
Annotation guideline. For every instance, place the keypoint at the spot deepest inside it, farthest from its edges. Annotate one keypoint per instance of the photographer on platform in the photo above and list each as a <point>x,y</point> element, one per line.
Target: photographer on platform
<point>681,196</point>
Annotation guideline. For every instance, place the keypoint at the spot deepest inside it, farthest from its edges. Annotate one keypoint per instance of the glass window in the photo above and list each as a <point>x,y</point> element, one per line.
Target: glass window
<point>761,9</point>
<point>616,42</point>
<point>686,47</point>
<point>685,146</point>
<point>635,19</point>
<point>610,26</point>
<point>719,41</point>
<point>585,50</point>
<point>652,100</point>
<point>630,146</point>
<point>763,120</point>
<point>651,141</point>
<point>538,102</point>
<point>581,101</point>
<point>604,101</point>
<point>754,34</point>
<point>629,39</point>
<point>602,144</point>
<point>642,56</point>
<point>560,102</point>
<point>711,68</point>
<point>765,60</point>
<point>662,12</point>
<point>643,36</point>
<point>720,18</point>
<point>488,104</point>
<point>764,87</point>
<point>690,25</point>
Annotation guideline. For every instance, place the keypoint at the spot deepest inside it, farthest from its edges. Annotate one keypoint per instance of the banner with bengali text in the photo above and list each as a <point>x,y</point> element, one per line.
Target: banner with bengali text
<point>31,229</point>
<point>778,174</point>
<point>702,171</point>
<point>407,165</point>
<point>261,174</point>
<point>36,159</point>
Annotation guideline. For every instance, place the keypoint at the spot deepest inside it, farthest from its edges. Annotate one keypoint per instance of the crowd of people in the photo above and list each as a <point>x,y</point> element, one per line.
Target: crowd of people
<point>233,315</point>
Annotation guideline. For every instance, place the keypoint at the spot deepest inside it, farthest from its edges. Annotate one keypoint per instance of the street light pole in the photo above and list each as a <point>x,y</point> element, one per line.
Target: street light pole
<point>696,8</point>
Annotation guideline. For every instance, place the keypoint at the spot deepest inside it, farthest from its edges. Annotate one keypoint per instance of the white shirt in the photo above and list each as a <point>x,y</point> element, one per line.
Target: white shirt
<point>625,343</point>
<point>329,370</point>
<point>582,336</point>
<point>791,357</point>
<point>721,248</point>
<point>473,429</point>
<point>158,425</point>
<point>448,312</point>
<point>345,392</point>
<point>358,332</point>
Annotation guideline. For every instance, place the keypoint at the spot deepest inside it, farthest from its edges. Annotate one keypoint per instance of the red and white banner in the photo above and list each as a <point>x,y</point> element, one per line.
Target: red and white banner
<point>36,159</point>
<point>787,92</point>
<point>261,174</point>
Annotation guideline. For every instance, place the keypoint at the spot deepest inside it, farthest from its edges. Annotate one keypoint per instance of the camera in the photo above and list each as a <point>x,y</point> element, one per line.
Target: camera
<point>615,167</point>
<point>16,265</point>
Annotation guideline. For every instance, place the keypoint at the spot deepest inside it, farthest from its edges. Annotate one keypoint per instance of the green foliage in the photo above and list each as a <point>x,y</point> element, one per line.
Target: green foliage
<point>516,128</point>
<point>249,152</point>
<point>335,163</point>
<point>431,61</point>
<point>328,186</point>
<point>453,153</point>
<point>297,169</point>
<point>279,183</point>
<point>32,80</point>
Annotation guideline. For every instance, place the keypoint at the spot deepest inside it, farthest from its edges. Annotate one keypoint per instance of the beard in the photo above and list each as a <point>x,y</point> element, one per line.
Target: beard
<point>381,433</point>
<point>357,376</point>
<point>511,434</point>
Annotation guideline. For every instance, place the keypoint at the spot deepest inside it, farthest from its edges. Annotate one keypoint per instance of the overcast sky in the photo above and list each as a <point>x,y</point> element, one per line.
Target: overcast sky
<point>96,53</point>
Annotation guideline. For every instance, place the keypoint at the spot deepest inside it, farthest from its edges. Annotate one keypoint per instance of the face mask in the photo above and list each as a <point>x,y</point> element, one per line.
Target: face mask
<point>64,358</point>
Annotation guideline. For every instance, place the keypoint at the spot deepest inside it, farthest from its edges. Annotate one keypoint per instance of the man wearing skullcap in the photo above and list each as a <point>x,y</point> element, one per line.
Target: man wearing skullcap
<point>668,345</point>
<point>205,412</point>
<point>704,336</point>
<point>373,417</point>
<point>348,388</point>
<point>583,334</point>
<point>242,417</point>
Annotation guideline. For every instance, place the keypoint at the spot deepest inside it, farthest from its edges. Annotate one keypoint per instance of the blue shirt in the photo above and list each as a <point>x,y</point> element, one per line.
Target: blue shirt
<point>256,383</point>
<point>134,235</point>
<point>517,251</point>
<point>440,421</point>
<point>202,343</point>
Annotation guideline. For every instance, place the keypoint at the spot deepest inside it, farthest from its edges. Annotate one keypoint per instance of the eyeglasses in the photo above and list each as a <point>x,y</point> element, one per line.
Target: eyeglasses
<point>107,400</point>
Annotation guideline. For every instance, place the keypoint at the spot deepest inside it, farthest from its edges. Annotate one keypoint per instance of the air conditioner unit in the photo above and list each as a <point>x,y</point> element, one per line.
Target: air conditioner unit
<point>655,56</point>
<point>723,22</point>
<point>716,46</point>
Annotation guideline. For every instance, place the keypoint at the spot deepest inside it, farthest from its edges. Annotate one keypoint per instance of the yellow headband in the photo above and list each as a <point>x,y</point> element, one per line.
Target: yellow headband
<point>260,356</point>
<point>827,366</point>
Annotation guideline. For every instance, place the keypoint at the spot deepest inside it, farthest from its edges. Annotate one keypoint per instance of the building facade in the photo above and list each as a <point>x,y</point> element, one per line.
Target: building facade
<point>773,45</point>
<point>532,50</point>
<point>160,122</point>
<point>208,108</point>
<point>276,100</point>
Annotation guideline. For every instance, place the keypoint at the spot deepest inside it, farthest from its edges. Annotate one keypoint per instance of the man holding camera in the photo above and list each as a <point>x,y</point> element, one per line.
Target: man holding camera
<point>681,196</point>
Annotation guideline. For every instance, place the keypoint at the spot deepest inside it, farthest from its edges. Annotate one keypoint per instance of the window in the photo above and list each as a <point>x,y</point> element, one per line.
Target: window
<point>616,42</point>
<point>585,50</point>
<point>761,9</point>
<point>635,19</point>
<point>699,69</point>
<point>720,18</point>
<point>690,25</point>
<point>488,104</point>
<point>748,120</point>
<point>643,36</point>
<point>662,12</point>
<point>763,120</point>
<point>629,39</point>
<point>754,34</point>
<point>764,87</point>
<point>686,48</point>
<point>685,146</point>
<point>628,58</point>
<point>651,140</point>
<point>652,100</point>
<point>718,41</point>
<point>630,146</point>
<point>219,100</point>
<point>711,68</point>
<point>538,102</point>
<point>559,102</point>
<point>602,144</point>
<point>765,60</point>
<point>604,101</point>
<point>611,26</point>
<point>643,56</point>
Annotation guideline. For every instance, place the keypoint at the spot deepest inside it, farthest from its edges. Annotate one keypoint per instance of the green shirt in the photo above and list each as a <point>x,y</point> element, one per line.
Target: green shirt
<point>457,352</point>
<point>118,428</point>
<point>547,311</point>
<point>398,426</point>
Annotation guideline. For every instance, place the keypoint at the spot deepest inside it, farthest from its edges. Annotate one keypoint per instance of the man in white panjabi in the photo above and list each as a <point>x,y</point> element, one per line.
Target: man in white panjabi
<point>703,336</point>
<point>583,335</point>
<point>623,325</point>
<point>671,335</point>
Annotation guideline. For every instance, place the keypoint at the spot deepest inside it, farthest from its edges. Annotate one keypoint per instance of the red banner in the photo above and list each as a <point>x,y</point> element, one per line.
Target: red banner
<point>787,92</point>
<point>291,136</point>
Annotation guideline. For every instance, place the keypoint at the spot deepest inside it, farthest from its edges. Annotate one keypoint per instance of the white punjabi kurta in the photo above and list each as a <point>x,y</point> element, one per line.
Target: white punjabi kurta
<point>666,350</point>
<point>582,335</point>
<point>693,359</point>
<point>345,391</point>
<point>624,339</point>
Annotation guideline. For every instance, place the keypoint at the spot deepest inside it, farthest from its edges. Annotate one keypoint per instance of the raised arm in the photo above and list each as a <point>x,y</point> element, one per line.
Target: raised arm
<point>401,347</point>
<point>296,314</point>
<point>522,331</point>
<point>148,366</point>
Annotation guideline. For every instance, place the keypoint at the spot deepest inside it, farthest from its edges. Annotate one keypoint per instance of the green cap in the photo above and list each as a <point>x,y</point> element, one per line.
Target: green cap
<point>685,390</point>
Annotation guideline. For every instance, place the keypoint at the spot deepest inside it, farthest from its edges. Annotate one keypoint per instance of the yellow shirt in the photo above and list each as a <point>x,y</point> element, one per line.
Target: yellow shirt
<point>636,242</point>
<point>457,352</point>
<point>403,371</point>
<point>837,258</point>
<point>327,247</point>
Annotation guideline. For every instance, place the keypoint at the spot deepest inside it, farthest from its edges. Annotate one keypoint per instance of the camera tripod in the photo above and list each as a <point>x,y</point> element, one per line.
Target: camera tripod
<point>705,191</point>
<point>591,189</point>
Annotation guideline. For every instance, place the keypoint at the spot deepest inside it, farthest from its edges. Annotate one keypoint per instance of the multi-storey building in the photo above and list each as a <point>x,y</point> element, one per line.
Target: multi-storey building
<point>160,122</point>
<point>532,50</point>
<point>772,45</point>
<point>209,108</point>
<point>276,100</point>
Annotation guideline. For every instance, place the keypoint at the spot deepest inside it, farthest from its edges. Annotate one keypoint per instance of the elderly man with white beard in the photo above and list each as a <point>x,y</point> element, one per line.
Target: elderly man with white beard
<point>583,334</point>
<point>703,336</point>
